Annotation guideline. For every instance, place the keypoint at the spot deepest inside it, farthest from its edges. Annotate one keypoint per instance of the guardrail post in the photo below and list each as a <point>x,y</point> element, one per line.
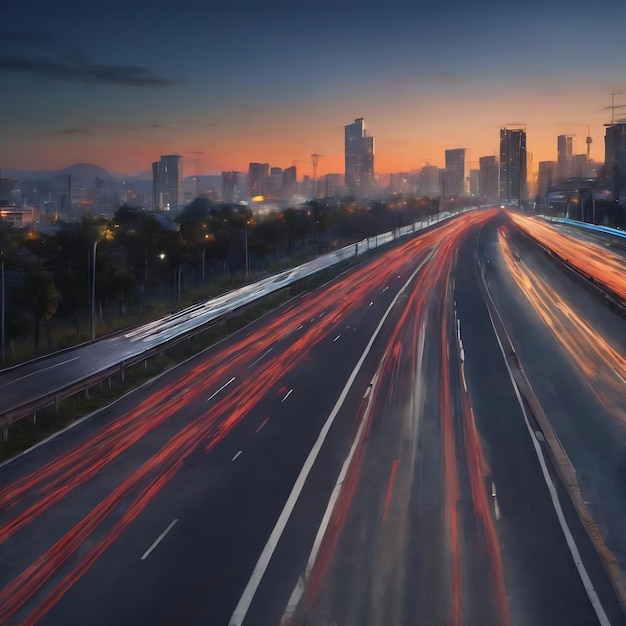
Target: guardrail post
<point>35,418</point>
<point>5,433</point>
<point>56,404</point>
<point>122,371</point>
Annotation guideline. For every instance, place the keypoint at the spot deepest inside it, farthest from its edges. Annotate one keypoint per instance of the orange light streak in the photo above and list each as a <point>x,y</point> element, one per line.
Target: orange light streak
<point>601,366</point>
<point>60,477</point>
<point>591,259</point>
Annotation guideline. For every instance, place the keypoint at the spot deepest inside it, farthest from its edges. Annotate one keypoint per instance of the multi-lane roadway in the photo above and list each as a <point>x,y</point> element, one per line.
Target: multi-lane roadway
<point>360,456</point>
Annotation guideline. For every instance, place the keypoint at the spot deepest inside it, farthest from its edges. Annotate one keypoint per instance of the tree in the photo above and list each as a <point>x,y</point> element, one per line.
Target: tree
<point>39,295</point>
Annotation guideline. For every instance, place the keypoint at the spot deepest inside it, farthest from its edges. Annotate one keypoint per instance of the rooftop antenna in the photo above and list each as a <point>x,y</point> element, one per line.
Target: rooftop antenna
<point>613,107</point>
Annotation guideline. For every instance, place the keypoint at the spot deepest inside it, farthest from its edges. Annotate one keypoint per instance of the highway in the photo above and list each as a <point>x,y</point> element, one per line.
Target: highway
<point>359,456</point>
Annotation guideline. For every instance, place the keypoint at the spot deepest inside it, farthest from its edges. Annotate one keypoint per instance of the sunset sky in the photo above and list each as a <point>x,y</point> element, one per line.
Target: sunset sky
<point>118,84</point>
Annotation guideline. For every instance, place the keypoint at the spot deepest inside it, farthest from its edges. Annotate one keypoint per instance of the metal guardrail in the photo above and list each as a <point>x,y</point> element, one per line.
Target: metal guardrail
<point>144,341</point>
<point>605,230</point>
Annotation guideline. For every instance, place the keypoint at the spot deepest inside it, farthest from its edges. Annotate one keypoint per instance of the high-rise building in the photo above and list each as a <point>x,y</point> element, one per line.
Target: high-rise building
<point>579,166</point>
<point>61,197</point>
<point>168,193</point>
<point>546,178</point>
<point>615,158</point>
<point>7,185</point>
<point>474,183</point>
<point>429,181</point>
<point>290,182</point>
<point>488,178</point>
<point>513,174</point>
<point>276,182</point>
<point>565,156</point>
<point>359,159</point>
<point>229,186</point>
<point>258,179</point>
<point>455,173</point>
<point>332,185</point>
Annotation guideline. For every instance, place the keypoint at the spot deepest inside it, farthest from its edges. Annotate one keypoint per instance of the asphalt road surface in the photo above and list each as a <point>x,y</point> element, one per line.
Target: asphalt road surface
<point>360,456</point>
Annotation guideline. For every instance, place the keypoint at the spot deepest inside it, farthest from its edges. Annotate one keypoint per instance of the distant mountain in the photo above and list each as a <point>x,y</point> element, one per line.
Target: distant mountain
<point>83,174</point>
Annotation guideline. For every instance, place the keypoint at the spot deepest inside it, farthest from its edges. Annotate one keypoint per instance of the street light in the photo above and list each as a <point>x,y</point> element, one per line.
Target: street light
<point>93,291</point>
<point>245,234</point>
<point>2,303</point>
<point>103,234</point>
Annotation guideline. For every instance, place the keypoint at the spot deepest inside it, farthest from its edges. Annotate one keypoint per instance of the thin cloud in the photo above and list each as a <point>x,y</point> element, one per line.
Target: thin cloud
<point>74,131</point>
<point>21,52</point>
<point>80,71</point>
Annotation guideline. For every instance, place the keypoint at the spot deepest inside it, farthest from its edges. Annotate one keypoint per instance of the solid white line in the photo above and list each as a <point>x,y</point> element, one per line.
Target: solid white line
<point>50,367</point>
<point>321,531</point>
<point>220,389</point>
<point>571,544</point>
<point>287,395</point>
<point>158,540</point>
<point>241,610</point>
<point>237,455</point>
<point>261,357</point>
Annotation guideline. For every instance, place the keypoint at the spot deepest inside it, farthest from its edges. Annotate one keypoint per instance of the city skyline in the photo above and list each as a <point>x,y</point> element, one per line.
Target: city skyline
<point>115,86</point>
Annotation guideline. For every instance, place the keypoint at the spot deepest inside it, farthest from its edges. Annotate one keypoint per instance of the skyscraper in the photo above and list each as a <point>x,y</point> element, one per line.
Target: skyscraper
<point>359,159</point>
<point>615,158</point>
<point>545,178</point>
<point>565,156</point>
<point>258,179</point>
<point>229,186</point>
<point>429,181</point>
<point>290,182</point>
<point>488,178</point>
<point>167,183</point>
<point>513,176</point>
<point>455,173</point>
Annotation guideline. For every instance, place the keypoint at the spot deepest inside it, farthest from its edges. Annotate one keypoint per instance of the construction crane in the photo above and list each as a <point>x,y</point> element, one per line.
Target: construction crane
<point>314,160</point>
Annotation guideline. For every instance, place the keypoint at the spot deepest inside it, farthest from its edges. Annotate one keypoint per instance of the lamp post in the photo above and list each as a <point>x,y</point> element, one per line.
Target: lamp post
<point>93,291</point>
<point>245,235</point>
<point>2,303</point>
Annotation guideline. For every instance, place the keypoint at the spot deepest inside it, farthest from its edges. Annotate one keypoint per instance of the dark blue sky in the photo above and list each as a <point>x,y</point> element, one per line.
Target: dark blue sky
<point>120,83</point>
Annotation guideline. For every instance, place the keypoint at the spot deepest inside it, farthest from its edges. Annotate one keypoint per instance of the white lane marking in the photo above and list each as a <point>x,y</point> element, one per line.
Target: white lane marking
<point>321,531</point>
<point>220,389</point>
<point>371,303</point>
<point>299,327</point>
<point>367,391</point>
<point>287,395</point>
<point>241,610</point>
<point>539,435</point>
<point>496,508</point>
<point>571,544</point>
<point>43,369</point>
<point>337,337</point>
<point>261,357</point>
<point>237,455</point>
<point>158,540</point>
<point>385,289</point>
